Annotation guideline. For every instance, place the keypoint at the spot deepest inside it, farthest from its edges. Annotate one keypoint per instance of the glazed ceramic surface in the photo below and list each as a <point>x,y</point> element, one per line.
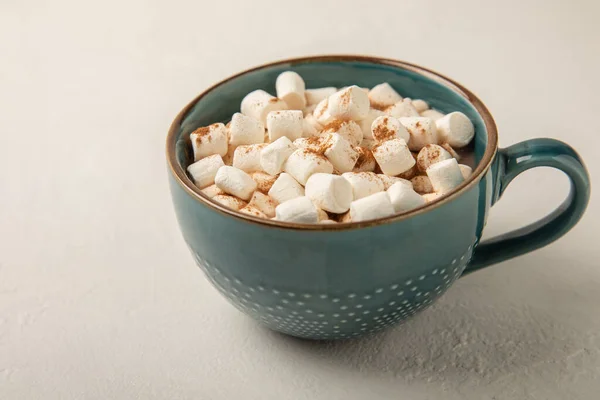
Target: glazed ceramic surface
<point>346,280</point>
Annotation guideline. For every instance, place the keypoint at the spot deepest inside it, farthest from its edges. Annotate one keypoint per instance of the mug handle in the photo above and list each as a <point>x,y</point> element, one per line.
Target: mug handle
<point>517,159</point>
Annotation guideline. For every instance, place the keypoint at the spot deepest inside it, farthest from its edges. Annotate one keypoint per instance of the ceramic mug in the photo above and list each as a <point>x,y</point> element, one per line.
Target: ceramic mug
<point>345,280</point>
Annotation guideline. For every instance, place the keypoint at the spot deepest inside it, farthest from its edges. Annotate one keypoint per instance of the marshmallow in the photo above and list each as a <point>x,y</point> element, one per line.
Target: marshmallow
<point>209,140</point>
<point>203,171</point>
<point>245,130</point>
<point>393,157</point>
<point>340,153</point>
<point>456,129</point>
<point>315,96</point>
<point>263,181</point>
<point>274,155</point>
<point>368,143</point>
<point>431,154</point>
<point>388,181</point>
<point>465,170</point>
<point>345,217</point>
<point>351,103</point>
<point>212,190</point>
<point>402,108</point>
<point>366,123</point>
<point>366,161</point>
<point>377,205</point>
<point>248,158</point>
<point>290,88</point>
<point>310,126</point>
<point>329,192</point>
<point>230,201</point>
<point>302,163</point>
<point>258,104</point>
<point>321,114</point>
<point>284,123</point>
<point>420,105</point>
<point>285,188</point>
<point>433,114</point>
<point>349,130</point>
<point>422,132</point>
<point>316,144</point>
<point>410,173</point>
<point>404,198</point>
<point>300,210</point>
<point>250,210</point>
<point>364,183</point>
<point>309,109</point>
<point>450,150</point>
<point>264,203</point>
<point>421,184</point>
<point>235,182</point>
<point>429,197</point>
<point>327,221</point>
<point>323,216</point>
<point>445,175</point>
<point>386,128</point>
<point>383,95</point>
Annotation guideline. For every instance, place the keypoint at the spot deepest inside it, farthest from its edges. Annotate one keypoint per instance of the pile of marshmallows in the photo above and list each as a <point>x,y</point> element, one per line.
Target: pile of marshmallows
<point>316,161</point>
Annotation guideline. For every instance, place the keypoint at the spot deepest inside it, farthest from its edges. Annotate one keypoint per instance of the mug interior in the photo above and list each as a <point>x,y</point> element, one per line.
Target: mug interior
<point>221,101</point>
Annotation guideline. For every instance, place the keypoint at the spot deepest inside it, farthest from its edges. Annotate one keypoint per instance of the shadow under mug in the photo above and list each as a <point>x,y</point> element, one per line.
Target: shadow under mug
<point>346,280</point>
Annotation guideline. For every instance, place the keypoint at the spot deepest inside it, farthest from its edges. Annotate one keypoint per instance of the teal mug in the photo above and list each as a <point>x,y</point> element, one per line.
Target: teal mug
<point>342,281</point>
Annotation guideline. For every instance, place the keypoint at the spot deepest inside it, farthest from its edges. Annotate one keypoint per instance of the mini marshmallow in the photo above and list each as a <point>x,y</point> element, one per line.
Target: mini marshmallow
<point>377,205</point>
<point>255,212</point>
<point>248,158</point>
<point>274,155</point>
<point>316,144</point>
<point>322,215</point>
<point>340,153</point>
<point>386,128</point>
<point>465,170</point>
<point>329,192</point>
<point>258,104</point>
<point>445,175</point>
<point>410,173</point>
<point>245,130</point>
<point>290,88</point>
<point>315,96</point>
<point>263,181</point>
<point>366,161</point>
<point>302,163</point>
<point>421,184</point>
<point>404,198</point>
<point>263,203</point>
<point>284,123</point>
<point>450,150</point>
<point>321,114</point>
<point>383,95</point>
<point>433,114</point>
<point>230,201</point>
<point>351,103</point>
<point>388,181</point>
<point>420,105</point>
<point>212,190</point>
<point>366,123</point>
<point>349,130</point>
<point>393,157</point>
<point>364,183</point>
<point>401,109</point>
<point>235,182</point>
<point>309,109</point>
<point>429,197</point>
<point>368,143</point>
<point>310,120</point>
<point>456,129</point>
<point>285,188</point>
<point>203,171</point>
<point>422,132</point>
<point>327,221</point>
<point>209,140</point>
<point>431,154</point>
<point>300,210</point>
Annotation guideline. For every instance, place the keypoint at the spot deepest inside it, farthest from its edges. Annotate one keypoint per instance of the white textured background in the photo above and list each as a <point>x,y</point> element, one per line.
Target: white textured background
<point>99,298</point>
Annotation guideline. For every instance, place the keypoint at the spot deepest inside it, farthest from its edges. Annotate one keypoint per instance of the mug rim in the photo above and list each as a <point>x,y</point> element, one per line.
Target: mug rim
<point>486,161</point>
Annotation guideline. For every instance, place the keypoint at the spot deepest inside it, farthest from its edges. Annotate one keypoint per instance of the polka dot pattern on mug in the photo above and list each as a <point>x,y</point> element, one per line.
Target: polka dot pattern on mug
<point>337,315</point>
